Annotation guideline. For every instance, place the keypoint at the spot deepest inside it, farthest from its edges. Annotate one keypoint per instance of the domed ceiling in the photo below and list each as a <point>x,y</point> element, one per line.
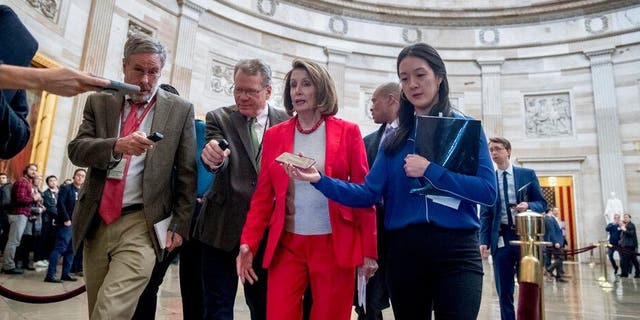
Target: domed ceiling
<point>463,12</point>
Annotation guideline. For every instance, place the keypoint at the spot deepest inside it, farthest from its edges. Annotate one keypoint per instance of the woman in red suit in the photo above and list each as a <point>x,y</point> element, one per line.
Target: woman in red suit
<point>312,241</point>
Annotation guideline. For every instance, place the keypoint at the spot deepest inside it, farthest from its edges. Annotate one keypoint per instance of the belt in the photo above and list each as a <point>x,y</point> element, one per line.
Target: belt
<point>132,208</point>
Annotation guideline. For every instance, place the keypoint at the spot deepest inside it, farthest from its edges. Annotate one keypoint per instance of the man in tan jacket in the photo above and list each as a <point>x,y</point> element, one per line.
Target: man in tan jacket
<point>132,182</point>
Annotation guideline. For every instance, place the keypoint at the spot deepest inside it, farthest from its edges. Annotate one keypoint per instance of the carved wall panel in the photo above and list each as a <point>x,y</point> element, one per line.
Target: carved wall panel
<point>548,115</point>
<point>138,27</point>
<point>221,78</point>
<point>48,8</point>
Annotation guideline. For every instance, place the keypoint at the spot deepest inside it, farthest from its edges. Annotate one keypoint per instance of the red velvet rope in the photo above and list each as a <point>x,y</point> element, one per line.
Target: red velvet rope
<point>625,251</point>
<point>570,252</point>
<point>17,296</point>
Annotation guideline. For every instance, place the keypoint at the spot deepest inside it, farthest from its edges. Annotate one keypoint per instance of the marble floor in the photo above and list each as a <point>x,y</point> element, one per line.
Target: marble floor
<point>579,298</point>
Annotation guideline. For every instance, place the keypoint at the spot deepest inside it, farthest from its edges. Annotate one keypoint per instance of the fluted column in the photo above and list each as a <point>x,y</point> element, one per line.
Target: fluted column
<point>491,96</point>
<point>93,60</point>
<point>336,61</point>
<point>190,13</point>
<point>607,125</point>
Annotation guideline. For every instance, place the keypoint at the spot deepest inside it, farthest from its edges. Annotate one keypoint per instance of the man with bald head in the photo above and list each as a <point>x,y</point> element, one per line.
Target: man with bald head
<point>385,103</point>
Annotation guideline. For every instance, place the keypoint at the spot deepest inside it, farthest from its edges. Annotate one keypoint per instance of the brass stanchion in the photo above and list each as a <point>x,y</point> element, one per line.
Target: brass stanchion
<point>530,228</point>
<point>602,280</point>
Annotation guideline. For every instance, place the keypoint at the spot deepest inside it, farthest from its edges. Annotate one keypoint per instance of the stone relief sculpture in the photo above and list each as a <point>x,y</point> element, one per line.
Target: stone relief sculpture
<point>267,7</point>
<point>135,27</point>
<point>221,78</point>
<point>338,25</point>
<point>548,115</point>
<point>48,8</point>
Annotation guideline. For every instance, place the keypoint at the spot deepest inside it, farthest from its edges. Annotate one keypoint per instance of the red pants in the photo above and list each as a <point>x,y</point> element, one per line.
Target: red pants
<point>302,260</point>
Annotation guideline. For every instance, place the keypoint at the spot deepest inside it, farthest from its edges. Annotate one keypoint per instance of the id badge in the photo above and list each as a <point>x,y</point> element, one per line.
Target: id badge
<point>500,242</point>
<point>117,172</point>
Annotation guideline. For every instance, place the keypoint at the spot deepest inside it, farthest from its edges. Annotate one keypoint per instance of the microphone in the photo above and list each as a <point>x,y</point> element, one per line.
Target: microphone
<point>122,87</point>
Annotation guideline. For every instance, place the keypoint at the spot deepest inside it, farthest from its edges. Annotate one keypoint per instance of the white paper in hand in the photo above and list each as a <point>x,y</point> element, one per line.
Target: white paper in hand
<point>161,227</point>
<point>362,289</point>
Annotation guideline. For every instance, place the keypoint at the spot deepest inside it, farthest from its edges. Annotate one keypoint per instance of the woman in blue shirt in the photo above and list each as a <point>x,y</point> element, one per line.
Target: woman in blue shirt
<point>434,261</point>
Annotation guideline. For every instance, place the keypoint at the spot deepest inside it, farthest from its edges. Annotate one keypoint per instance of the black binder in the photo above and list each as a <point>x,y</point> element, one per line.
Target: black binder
<point>448,142</point>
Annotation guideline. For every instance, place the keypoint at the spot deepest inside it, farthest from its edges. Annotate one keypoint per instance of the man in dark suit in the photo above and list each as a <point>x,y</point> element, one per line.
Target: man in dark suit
<point>115,219</point>
<point>613,228</point>
<point>66,202</point>
<point>225,207</point>
<point>553,234</point>
<point>384,111</point>
<point>628,242</point>
<point>519,191</point>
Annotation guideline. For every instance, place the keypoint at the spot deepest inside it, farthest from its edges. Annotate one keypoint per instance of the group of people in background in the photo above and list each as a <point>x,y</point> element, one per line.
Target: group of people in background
<point>623,238</point>
<point>299,248</point>
<point>36,224</point>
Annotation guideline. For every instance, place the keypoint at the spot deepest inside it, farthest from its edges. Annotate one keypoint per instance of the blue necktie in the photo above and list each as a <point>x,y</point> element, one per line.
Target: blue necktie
<point>388,131</point>
<point>505,190</point>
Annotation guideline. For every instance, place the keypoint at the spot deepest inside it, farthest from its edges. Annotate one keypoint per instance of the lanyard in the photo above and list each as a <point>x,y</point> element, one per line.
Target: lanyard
<point>139,119</point>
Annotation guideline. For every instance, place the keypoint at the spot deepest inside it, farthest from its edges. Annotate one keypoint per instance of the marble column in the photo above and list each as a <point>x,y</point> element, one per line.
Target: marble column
<point>336,61</point>
<point>190,13</point>
<point>491,96</point>
<point>612,177</point>
<point>93,60</point>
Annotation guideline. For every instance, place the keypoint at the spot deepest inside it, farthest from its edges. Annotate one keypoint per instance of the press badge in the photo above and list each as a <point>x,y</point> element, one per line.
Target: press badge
<point>500,242</point>
<point>117,172</point>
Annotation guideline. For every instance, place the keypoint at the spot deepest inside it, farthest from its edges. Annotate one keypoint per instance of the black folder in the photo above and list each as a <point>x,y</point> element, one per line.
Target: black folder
<point>449,142</point>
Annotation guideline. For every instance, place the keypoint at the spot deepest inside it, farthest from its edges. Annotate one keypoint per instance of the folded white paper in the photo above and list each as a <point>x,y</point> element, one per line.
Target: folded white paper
<point>161,227</point>
<point>362,289</point>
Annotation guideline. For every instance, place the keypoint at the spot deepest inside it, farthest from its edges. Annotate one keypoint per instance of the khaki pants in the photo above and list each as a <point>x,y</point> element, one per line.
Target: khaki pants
<point>118,263</point>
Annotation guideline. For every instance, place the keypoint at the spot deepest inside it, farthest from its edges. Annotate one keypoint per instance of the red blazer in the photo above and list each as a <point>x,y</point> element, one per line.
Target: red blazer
<point>353,230</point>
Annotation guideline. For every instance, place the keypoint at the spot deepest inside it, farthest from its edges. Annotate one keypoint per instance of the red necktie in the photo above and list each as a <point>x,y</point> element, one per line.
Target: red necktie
<point>113,193</point>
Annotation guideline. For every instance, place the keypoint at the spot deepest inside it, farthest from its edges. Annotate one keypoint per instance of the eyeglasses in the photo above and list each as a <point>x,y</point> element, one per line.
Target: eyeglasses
<point>249,92</point>
<point>154,74</point>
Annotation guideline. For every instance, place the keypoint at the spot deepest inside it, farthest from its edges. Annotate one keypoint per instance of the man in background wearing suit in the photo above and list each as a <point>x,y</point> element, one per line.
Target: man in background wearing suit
<point>628,241</point>
<point>519,191</point>
<point>115,219</point>
<point>553,234</point>
<point>385,103</point>
<point>225,207</point>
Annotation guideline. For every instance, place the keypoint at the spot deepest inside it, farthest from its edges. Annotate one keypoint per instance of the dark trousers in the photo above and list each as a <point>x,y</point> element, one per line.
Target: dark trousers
<point>220,284</point>
<point>147,304</point>
<point>191,280</point>
<point>433,268</point>
<point>558,258</point>
<point>613,261</point>
<point>27,246</point>
<point>47,239</point>
<point>506,264</point>
<point>63,247</point>
<point>628,260</point>
<point>77,260</point>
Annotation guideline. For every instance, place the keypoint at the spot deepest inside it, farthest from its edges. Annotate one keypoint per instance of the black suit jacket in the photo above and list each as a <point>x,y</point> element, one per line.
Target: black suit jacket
<point>372,145</point>
<point>66,202</point>
<point>629,237</point>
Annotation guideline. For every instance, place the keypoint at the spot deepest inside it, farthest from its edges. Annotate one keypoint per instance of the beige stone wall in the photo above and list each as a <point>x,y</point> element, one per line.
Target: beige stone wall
<point>493,72</point>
